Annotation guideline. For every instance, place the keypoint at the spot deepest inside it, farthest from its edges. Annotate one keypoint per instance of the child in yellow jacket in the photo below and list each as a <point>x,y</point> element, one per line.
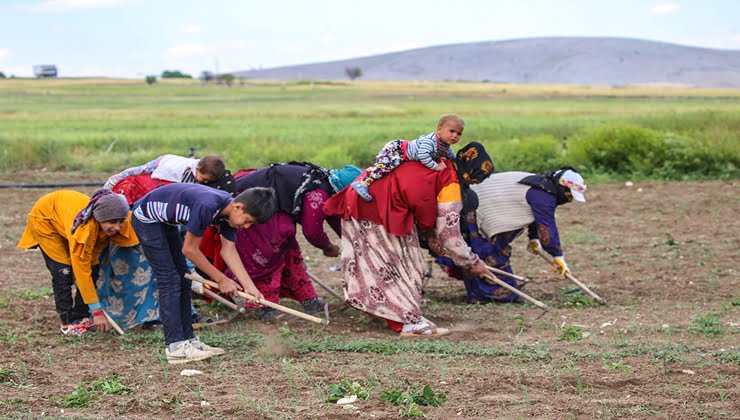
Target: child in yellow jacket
<point>71,229</point>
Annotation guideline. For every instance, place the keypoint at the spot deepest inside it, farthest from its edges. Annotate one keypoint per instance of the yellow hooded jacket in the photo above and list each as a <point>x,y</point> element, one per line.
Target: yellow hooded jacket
<point>49,226</point>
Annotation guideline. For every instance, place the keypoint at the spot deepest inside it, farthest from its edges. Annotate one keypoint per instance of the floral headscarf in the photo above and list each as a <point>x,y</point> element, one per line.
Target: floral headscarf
<point>225,183</point>
<point>473,165</point>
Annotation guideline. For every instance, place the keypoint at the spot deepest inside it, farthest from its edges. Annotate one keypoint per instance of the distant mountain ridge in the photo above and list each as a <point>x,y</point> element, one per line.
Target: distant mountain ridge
<point>566,60</point>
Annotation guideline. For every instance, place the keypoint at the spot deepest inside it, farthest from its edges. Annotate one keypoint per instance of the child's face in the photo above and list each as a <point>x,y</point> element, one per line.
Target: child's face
<point>240,219</point>
<point>202,178</point>
<point>450,132</point>
<point>112,227</point>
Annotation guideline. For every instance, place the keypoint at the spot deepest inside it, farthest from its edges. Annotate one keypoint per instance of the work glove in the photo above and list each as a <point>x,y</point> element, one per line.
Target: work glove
<point>534,246</point>
<point>560,266</point>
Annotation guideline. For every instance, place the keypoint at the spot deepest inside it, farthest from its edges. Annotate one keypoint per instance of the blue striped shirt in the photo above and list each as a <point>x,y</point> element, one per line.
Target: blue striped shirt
<point>427,149</point>
<point>194,205</point>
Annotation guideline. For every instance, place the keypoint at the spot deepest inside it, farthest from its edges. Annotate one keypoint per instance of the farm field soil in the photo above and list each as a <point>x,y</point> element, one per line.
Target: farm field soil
<point>664,255</point>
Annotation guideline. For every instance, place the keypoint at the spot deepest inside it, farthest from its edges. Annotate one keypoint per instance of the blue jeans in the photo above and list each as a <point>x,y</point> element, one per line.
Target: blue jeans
<point>162,246</point>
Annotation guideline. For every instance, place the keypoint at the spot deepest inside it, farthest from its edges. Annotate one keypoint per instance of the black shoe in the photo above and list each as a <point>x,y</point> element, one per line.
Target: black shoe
<point>271,315</point>
<point>152,326</point>
<point>313,305</point>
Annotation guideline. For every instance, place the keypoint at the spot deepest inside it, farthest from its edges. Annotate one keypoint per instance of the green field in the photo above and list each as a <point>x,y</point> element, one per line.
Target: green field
<point>100,125</point>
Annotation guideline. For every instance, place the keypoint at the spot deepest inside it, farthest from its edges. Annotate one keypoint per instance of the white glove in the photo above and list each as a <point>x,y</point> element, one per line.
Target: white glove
<point>534,246</point>
<point>560,266</point>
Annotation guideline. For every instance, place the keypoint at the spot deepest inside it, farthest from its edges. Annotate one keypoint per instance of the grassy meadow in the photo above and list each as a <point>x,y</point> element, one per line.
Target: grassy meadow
<point>104,125</point>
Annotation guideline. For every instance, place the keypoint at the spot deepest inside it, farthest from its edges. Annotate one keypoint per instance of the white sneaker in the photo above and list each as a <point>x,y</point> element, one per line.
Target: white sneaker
<point>185,352</point>
<point>217,351</point>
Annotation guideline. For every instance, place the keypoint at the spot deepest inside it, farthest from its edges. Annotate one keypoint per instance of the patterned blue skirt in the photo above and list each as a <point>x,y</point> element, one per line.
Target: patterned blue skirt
<point>126,288</point>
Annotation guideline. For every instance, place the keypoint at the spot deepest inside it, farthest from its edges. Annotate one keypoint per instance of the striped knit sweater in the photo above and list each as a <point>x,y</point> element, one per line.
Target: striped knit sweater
<point>503,204</point>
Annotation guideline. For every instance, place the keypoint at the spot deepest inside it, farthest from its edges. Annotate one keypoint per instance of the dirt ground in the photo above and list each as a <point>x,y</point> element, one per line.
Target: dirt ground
<point>664,255</point>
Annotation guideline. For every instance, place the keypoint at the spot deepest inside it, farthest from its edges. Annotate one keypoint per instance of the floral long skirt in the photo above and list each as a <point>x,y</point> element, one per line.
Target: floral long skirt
<point>382,273</point>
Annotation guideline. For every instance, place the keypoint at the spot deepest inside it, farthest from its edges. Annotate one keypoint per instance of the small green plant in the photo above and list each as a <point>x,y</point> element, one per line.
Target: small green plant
<point>520,323</point>
<point>618,366</point>
<point>669,354</point>
<point>36,294</point>
<point>411,409</point>
<point>6,376</point>
<point>345,388</point>
<point>732,356</point>
<point>578,301</point>
<point>109,385</point>
<point>363,321</point>
<point>79,398</point>
<point>284,331</point>
<point>572,333</point>
<point>649,410</point>
<point>670,241</point>
<point>708,325</point>
<point>414,396</point>
<point>150,80</point>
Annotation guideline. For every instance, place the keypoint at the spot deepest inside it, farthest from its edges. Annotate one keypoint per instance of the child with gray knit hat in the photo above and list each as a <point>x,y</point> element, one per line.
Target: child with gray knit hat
<point>66,226</point>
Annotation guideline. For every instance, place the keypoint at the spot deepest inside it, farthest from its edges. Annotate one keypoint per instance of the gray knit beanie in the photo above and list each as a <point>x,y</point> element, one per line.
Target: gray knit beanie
<point>110,207</point>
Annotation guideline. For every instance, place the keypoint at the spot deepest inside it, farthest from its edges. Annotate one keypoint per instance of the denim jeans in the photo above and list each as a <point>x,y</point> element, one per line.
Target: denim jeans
<point>71,310</point>
<point>162,246</point>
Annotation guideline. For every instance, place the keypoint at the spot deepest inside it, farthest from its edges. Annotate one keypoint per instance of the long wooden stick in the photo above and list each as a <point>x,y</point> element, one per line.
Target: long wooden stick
<point>512,289</point>
<point>506,273</point>
<point>113,324</point>
<point>325,287</point>
<point>264,302</point>
<point>547,257</point>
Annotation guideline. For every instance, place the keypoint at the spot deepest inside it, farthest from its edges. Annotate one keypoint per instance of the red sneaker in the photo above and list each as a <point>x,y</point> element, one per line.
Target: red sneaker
<point>78,328</point>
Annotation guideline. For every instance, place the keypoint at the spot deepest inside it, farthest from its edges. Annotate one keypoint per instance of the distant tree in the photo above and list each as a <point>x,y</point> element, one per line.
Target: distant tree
<point>227,78</point>
<point>353,72</point>
<point>2,75</point>
<point>175,74</point>
<point>206,76</point>
<point>151,79</point>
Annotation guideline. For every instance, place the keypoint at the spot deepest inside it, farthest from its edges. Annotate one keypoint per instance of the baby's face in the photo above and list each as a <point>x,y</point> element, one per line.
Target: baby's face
<point>202,178</point>
<point>450,132</point>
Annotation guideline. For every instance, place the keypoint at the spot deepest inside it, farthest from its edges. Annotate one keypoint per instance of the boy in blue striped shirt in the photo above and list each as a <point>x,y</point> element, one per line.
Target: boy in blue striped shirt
<point>429,149</point>
<point>156,220</point>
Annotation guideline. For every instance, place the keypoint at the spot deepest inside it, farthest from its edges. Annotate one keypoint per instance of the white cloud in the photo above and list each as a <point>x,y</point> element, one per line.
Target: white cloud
<point>736,38</point>
<point>182,51</point>
<point>193,29</point>
<point>665,8</point>
<point>64,5</point>
<point>4,52</point>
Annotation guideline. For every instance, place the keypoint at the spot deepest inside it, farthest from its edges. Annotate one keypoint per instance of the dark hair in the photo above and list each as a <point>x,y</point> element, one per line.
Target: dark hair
<point>212,165</point>
<point>259,202</point>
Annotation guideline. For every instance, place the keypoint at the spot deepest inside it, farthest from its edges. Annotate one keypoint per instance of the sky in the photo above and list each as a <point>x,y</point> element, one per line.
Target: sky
<point>135,38</point>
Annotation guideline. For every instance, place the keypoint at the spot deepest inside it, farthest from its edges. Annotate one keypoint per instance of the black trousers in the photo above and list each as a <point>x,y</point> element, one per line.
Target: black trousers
<point>71,309</point>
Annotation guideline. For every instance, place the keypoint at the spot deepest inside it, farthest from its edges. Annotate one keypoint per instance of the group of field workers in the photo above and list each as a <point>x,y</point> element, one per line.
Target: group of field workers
<point>173,215</point>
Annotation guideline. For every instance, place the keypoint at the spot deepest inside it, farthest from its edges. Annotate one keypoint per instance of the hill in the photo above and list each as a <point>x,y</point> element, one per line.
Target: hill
<point>566,60</point>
